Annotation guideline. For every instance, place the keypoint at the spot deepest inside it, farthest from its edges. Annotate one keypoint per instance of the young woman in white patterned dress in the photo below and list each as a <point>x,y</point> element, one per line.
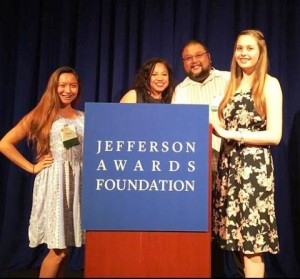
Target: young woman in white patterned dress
<point>55,129</point>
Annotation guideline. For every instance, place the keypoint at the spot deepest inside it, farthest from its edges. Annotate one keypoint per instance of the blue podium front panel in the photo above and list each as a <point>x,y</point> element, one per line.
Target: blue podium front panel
<point>145,167</point>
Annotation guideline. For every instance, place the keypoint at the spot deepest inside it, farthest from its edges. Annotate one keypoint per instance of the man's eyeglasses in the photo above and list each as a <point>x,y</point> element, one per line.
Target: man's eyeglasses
<point>197,56</point>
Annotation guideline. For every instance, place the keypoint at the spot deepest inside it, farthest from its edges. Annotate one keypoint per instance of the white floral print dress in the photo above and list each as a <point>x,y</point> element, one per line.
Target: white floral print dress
<point>243,199</point>
<point>56,208</point>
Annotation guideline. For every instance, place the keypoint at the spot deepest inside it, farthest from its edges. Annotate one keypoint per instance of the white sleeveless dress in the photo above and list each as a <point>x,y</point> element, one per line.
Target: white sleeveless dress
<point>56,207</point>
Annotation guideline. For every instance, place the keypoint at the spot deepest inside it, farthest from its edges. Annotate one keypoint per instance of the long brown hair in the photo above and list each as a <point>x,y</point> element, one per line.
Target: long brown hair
<point>261,70</point>
<point>46,111</point>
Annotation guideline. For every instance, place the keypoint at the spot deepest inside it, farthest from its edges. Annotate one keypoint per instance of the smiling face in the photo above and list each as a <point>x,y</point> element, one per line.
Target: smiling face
<point>159,79</point>
<point>247,53</point>
<point>196,62</point>
<point>67,88</point>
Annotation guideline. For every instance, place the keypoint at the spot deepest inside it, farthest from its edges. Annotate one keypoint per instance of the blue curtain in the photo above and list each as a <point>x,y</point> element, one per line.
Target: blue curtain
<point>106,41</point>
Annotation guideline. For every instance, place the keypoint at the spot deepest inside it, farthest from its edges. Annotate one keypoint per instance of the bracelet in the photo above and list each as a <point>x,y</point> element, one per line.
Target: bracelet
<point>33,165</point>
<point>242,138</point>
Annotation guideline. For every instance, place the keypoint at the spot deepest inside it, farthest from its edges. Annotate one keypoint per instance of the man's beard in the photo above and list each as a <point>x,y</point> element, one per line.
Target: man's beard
<point>199,77</point>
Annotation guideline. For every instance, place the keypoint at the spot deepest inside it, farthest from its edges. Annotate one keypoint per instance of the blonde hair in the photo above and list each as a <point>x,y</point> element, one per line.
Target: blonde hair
<point>46,111</point>
<point>261,70</point>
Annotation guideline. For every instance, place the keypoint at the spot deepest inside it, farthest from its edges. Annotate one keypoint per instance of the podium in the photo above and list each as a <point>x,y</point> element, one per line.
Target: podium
<point>130,233</point>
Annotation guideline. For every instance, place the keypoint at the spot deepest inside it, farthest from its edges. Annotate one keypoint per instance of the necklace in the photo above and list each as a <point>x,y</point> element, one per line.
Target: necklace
<point>155,96</point>
<point>72,114</point>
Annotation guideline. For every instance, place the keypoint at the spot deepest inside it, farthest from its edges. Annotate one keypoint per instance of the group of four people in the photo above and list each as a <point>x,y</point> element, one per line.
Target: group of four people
<point>246,115</point>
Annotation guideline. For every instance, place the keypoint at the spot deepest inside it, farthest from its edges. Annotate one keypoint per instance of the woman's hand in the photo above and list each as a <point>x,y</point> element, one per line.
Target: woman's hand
<point>45,162</point>
<point>218,130</point>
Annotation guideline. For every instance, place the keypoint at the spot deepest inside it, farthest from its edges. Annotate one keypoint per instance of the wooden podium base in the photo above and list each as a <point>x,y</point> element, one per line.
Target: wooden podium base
<point>115,254</point>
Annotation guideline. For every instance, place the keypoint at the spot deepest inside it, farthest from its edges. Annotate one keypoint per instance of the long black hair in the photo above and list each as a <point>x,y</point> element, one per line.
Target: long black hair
<point>142,80</point>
